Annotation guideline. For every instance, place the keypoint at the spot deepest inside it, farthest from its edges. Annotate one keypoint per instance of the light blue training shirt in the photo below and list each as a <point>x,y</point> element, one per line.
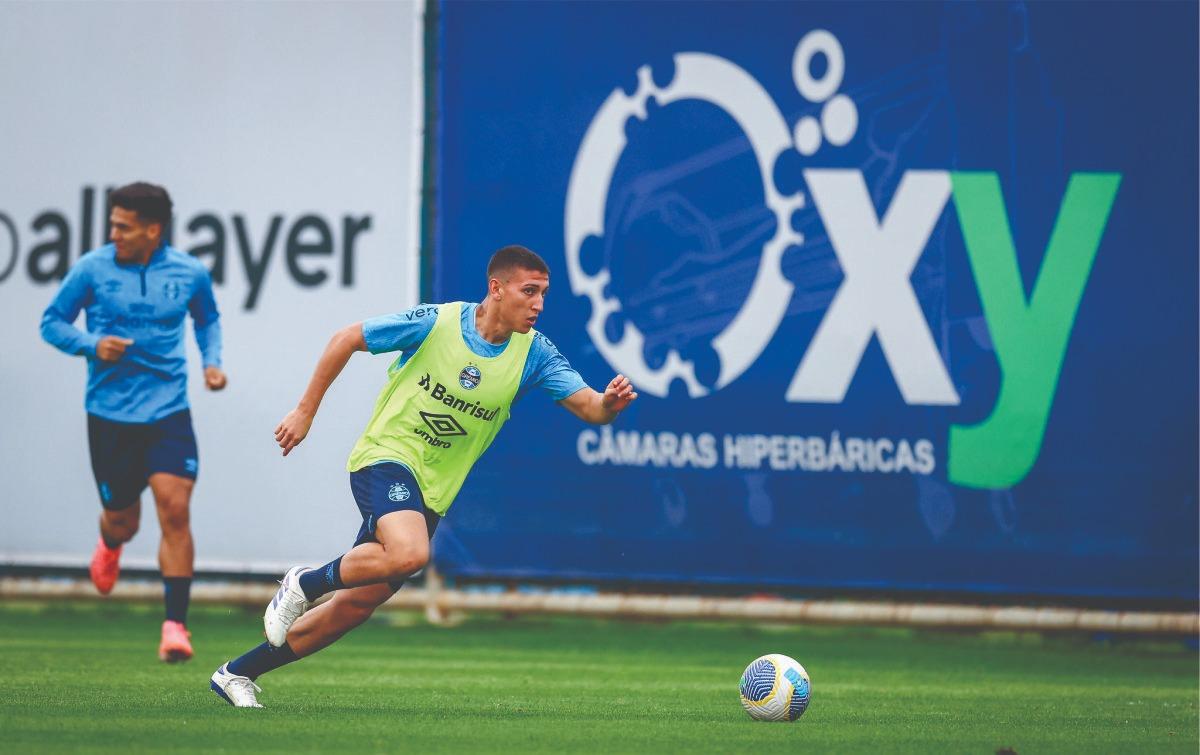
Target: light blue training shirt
<point>148,304</point>
<point>545,367</point>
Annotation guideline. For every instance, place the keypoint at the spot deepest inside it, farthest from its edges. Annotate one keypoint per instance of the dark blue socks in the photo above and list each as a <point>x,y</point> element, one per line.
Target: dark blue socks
<point>262,659</point>
<point>177,592</point>
<point>317,582</point>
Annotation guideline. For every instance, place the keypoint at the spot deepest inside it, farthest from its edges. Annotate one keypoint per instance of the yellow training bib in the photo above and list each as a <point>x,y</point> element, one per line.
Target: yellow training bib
<point>441,410</point>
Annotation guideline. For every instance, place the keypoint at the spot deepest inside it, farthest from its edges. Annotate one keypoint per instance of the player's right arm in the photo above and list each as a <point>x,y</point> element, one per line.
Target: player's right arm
<point>397,332</point>
<point>341,347</point>
<point>58,328</point>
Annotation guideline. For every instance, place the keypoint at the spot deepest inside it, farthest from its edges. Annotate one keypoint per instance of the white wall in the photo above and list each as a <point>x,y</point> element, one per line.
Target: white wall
<point>249,110</point>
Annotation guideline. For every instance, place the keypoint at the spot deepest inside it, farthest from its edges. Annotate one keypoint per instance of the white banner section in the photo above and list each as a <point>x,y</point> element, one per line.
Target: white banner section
<point>289,136</point>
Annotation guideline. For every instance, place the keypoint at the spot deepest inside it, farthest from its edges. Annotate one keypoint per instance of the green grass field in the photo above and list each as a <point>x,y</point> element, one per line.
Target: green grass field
<point>85,678</point>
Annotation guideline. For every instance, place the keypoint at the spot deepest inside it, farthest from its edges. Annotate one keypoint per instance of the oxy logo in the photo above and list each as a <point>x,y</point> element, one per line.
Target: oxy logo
<point>876,253</point>
<point>315,249</point>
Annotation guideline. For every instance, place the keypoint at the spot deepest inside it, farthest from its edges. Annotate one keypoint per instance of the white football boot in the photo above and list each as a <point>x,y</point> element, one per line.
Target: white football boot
<point>288,605</point>
<point>238,691</point>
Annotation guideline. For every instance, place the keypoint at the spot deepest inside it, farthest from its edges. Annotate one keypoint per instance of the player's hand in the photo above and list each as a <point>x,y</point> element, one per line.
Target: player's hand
<point>214,378</point>
<point>112,348</point>
<point>618,394</point>
<point>292,430</point>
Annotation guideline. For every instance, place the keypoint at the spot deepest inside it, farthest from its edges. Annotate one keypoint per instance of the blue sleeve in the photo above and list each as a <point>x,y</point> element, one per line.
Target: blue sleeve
<point>58,327</point>
<point>206,320</point>
<point>403,331</point>
<point>549,370</point>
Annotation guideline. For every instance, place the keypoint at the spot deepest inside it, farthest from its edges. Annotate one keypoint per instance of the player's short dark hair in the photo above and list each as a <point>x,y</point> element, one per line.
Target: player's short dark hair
<point>151,202</point>
<point>515,257</point>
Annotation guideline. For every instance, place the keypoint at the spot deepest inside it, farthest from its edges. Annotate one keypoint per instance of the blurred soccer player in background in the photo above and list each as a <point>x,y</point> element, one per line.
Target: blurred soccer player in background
<point>461,367</point>
<point>137,292</point>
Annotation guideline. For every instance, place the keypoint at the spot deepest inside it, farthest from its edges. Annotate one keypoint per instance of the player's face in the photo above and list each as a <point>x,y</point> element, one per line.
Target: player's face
<point>522,297</point>
<point>135,238</point>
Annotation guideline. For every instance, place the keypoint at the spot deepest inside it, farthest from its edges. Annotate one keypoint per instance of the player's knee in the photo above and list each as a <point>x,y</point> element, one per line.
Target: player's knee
<point>405,561</point>
<point>174,515</point>
<point>121,525</point>
<point>125,531</point>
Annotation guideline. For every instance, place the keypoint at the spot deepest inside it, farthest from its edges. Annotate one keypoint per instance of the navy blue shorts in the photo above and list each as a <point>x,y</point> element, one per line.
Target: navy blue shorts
<point>124,455</point>
<point>383,488</point>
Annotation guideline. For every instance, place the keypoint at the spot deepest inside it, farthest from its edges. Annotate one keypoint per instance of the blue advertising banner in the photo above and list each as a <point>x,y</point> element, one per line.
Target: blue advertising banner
<point>908,290</point>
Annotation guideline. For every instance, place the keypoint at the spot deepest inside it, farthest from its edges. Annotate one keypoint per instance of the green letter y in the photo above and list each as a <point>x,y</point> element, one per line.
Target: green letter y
<point>1030,339</point>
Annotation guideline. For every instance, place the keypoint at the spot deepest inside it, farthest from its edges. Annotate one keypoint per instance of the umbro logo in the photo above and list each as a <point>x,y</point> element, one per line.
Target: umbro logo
<point>443,425</point>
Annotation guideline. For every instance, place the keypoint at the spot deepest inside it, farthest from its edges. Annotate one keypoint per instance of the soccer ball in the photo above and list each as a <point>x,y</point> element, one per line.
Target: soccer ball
<point>774,688</point>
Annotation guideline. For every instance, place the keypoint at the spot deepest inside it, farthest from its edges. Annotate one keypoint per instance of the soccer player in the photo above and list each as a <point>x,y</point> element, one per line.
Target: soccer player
<point>137,292</point>
<point>461,367</point>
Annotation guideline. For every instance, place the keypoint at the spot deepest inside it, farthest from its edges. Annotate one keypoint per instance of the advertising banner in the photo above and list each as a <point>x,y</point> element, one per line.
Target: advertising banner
<point>909,290</point>
<point>289,137</point>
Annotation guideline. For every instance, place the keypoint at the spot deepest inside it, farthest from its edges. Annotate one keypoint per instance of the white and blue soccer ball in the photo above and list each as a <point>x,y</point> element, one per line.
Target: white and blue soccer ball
<point>775,688</point>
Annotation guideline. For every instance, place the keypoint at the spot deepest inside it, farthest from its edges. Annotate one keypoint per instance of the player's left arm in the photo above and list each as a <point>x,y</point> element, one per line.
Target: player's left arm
<point>207,323</point>
<point>552,372</point>
<point>601,408</point>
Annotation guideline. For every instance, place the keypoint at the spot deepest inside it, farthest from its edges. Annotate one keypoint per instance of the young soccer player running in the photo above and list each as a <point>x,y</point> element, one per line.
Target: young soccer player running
<point>137,292</point>
<point>460,369</point>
